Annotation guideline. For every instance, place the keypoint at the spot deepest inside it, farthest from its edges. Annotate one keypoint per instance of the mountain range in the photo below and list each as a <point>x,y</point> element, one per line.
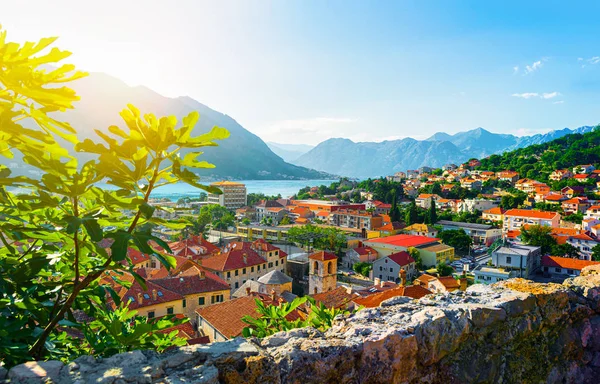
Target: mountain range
<point>289,152</point>
<point>371,159</point>
<point>241,156</point>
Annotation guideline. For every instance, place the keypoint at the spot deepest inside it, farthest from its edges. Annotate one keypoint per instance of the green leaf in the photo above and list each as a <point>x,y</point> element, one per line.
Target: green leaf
<point>93,228</point>
<point>147,210</point>
<point>119,247</point>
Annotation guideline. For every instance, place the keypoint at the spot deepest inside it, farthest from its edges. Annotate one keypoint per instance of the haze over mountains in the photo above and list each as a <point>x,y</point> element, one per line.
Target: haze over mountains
<point>242,156</point>
<point>370,159</point>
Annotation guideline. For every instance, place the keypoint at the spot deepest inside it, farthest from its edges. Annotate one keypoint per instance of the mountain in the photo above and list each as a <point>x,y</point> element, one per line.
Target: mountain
<point>242,156</point>
<point>289,152</point>
<point>369,159</point>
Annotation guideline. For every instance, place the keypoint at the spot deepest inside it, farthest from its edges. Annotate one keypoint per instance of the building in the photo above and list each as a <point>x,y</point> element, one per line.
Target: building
<point>430,249</point>
<point>563,267</point>
<point>560,174</point>
<point>494,214</point>
<point>375,300</point>
<point>516,218</point>
<point>593,212</point>
<point>575,205</point>
<point>489,275</point>
<point>425,200</point>
<point>433,254</point>
<point>349,218</point>
<point>233,195</point>
<point>573,191</point>
<point>341,298</point>
<point>326,205</point>
<point>273,282</point>
<point>449,167</point>
<point>359,255</point>
<point>480,233</point>
<point>476,205</point>
<point>509,176</point>
<point>584,169</point>
<point>421,230</point>
<point>271,210</point>
<point>471,184</point>
<point>584,244</point>
<point>438,284</point>
<point>388,268</point>
<point>523,259</point>
<point>323,272</point>
<point>194,248</point>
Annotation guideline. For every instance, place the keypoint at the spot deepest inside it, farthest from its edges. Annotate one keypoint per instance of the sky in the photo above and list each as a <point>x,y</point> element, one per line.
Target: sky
<point>305,71</point>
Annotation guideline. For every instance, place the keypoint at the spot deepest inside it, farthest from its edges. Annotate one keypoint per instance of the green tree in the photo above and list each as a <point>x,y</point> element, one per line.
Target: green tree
<point>596,253</point>
<point>362,268</point>
<point>286,220</point>
<point>432,214</point>
<point>540,236</point>
<point>53,229</point>
<point>444,269</point>
<point>414,253</point>
<point>456,238</point>
<point>565,250</point>
<point>394,212</point>
<point>196,225</point>
<point>411,215</point>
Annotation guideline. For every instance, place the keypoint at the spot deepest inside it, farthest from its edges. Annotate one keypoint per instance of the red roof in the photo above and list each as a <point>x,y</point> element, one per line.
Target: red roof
<point>134,293</point>
<point>401,258</point>
<point>405,241</point>
<point>194,247</point>
<point>531,213</point>
<point>581,176</point>
<point>136,256</point>
<point>336,298</point>
<point>393,226</point>
<point>495,211</point>
<point>364,251</point>
<point>233,259</point>
<point>554,197</point>
<point>191,282</point>
<point>414,291</point>
<point>566,262</point>
<point>322,255</point>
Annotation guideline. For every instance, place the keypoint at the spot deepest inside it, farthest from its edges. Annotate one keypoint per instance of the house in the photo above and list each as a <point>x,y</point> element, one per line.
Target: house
<point>526,185</point>
<point>421,230</point>
<point>561,174</point>
<point>452,205</point>
<point>471,184</point>
<point>583,169</point>
<point>509,176</point>
<point>424,200</point>
<point>232,196</point>
<point>430,249</point>
<point>301,213</point>
<point>554,198</point>
<point>438,284</point>
<point>392,228</point>
<point>582,177</point>
<point>573,191</point>
<point>516,218</point>
<point>359,255</point>
<point>271,210</point>
<point>593,212</point>
<point>194,247</point>
<point>480,233</point>
<point>245,213</point>
<point>388,268</point>
<point>495,214</point>
<point>381,207</point>
<point>474,163</point>
<point>449,167</point>
<point>541,189</point>
<point>412,174</point>
<point>575,205</point>
<point>489,275</point>
<point>563,267</point>
<point>274,281</point>
<point>523,259</point>
<point>358,219</point>
<point>375,300</point>
<point>476,205</point>
<point>339,298</point>
<point>584,244</point>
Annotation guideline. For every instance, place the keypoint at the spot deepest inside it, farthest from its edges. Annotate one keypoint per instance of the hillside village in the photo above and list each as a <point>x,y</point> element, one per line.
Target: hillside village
<point>354,244</point>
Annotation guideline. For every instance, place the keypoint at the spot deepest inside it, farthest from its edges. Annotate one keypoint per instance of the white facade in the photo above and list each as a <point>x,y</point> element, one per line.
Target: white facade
<point>233,195</point>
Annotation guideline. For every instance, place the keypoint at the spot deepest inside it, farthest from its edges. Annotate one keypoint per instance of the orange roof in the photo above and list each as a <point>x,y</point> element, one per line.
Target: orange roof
<point>554,197</point>
<point>226,183</point>
<point>581,176</point>
<point>531,213</point>
<point>425,278</point>
<point>583,236</point>
<point>513,234</point>
<point>495,211</point>
<point>575,200</point>
<point>322,255</point>
<point>449,282</point>
<point>323,213</point>
<point>414,291</point>
<point>336,298</point>
<point>301,220</point>
<point>405,241</point>
<point>566,262</point>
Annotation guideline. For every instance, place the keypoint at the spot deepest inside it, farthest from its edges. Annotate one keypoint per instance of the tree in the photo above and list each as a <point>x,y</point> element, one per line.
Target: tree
<point>317,237</point>
<point>362,268</point>
<point>444,269</point>
<point>246,221</point>
<point>411,215</point>
<point>538,235</point>
<point>566,250</point>
<point>414,253</point>
<point>54,229</point>
<point>197,225</point>
<point>456,238</point>
<point>394,212</point>
<point>432,214</point>
<point>596,253</point>
<point>286,220</point>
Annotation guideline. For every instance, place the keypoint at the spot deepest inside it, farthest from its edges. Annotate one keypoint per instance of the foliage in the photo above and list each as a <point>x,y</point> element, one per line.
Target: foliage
<point>414,253</point>
<point>318,237</point>
<point>394,212</point>
<point>220,217</point>
<point>456,238</point>
<point>273,317</point>
<point>255,198</point>
<point>411,215</point>
<point>540,236</point>
<point>197,225</point>
<point>565,250</point>
<point>267,221</point>
<point>362,268</point>
<point>444,269</point>
<point>431,217</point>
<point>53,228</point>
<point>574,217</point>
<point>246,221</point>
<point>286,220</point>
<point>511,201</point>
<point>382,189</point>
<point>596,253</point>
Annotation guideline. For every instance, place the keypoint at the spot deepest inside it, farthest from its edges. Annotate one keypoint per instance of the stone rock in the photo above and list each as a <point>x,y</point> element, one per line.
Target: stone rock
<point>35,372</point>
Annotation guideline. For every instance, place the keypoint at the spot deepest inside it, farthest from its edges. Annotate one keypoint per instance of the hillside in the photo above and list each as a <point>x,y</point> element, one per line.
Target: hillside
<point>369,159</point>
<point>242,156</point>
<point>539,160</point>
<point>289,152</point>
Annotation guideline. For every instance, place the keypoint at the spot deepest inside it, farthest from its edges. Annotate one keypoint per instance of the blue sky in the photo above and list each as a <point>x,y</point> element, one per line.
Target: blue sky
<point>305,71</point>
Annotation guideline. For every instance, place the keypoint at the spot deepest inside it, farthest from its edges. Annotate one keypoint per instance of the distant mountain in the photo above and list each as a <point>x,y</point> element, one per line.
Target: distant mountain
<point>242,156</point>
<point>368,159</point>
<point>363,160</point>
<point>289,152</point>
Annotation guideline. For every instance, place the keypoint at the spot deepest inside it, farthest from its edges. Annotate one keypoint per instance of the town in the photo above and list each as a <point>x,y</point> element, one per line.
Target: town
<point>355,244</point>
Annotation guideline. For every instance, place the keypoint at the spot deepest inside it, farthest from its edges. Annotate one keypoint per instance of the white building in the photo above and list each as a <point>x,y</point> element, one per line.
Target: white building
<point>472,205</point>
<point>388,268</point>
<point>233,195</point>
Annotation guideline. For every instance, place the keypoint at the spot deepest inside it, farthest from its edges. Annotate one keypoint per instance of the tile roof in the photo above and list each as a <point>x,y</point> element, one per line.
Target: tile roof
<point>226,183</point>
<point>192,281</point>
<point>193,246</point>
<point>134,293</point>
<point>531,213</point>
<point>425,278</point>
<point>583,236</point>
<point>566,262</point>
<point>336,298</point>
<point>393,226</point>
<point>401,258</point>
<point>437,247</point>
<point>233,259</point>
<point>405,241</point>
<point>365,251</point>
<point>185,330</point>
<point>414,291</point>
<point>383,286</point>
<point>554,197</point>
<point>495,211</point>
<point>323,255</point>
<point>449,282</point>
<point>275,277</point>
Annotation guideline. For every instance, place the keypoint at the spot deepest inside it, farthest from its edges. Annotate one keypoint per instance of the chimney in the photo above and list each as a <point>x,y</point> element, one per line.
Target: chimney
<point>377,281</point>
<point>202,274</point>
<point>245,258</point>
<point>403,277</point>
<point>154,295</point>
<point>247,291</point>
<point>273,296</point>
<point>140,298</point>
<point>463,281</point>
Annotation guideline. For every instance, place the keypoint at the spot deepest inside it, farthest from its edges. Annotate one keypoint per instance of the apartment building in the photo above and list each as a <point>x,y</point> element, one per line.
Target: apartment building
<point>233,195</point>
<point>348,218</point>
<point>516,218</point>
<point>480,233</point>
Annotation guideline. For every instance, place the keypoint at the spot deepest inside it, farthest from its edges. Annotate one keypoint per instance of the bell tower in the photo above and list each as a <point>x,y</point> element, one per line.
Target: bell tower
<point>322,272</point>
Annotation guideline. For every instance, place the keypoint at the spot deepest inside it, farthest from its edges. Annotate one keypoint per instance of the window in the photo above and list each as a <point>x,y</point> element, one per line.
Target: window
<point>229,274</point>
<point>570,271</point>
<point>244,271</point>
<point>237,284</point>
<point>258,268</point>
<point>201,301</point>
<point>380,268</point>
<point>151,315</point>
<point>276,263</point>
<point>252,269</point>
<point>545,269</point>
<point>237,272</point>
<point>146,296</point>
<point>380,277</point>
<point>391,270</point>
<point>386,261</point>
<point>557,270</point>
<point>160,294</point>
<point>508,260</point>
<point>271,265</point>
<point>170,311</point>
<point>183,303</point>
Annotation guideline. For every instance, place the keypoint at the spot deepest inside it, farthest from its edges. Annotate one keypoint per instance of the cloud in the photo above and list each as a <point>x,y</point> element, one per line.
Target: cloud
<point>533,67</point>
<point>531,95</point>
<point>516,69</point>
<point>526,95</point>
<point>559,102</point>
<point>550,95</point>
<point>592,60</point>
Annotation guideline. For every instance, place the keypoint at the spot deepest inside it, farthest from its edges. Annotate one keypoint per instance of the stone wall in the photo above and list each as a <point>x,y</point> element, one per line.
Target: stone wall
<point>516,331</point>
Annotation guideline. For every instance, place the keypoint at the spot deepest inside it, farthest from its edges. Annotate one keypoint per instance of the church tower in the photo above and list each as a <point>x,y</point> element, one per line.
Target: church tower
<point>322,272</point>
